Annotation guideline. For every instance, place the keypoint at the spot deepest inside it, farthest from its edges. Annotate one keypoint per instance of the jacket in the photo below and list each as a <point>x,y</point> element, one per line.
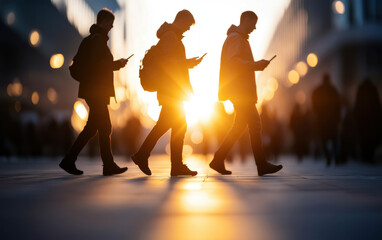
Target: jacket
<point>99,84</point>
<point>175,85</point>
<point>237,77</point>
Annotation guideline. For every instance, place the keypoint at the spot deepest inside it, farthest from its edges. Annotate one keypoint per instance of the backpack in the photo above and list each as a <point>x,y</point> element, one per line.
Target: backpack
<point>150,71</point>
<point>79,69</point>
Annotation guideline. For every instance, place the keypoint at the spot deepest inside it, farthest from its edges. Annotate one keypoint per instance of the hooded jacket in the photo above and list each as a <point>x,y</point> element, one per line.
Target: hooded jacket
<point>237,77</point>
<point>175,86</point>
<point>99,84</point>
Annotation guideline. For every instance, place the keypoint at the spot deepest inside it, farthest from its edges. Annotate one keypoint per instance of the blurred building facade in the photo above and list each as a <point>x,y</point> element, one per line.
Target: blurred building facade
<point>38,42</point>
<point>341,37</point>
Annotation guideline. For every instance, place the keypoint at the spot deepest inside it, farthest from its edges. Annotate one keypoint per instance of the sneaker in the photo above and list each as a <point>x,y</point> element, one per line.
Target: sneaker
<point>182,170</point>
<point>268,168</point>
<point>219,167</point>
<point>70,166</point>
<point>142,163</point>
<point>113,169</point>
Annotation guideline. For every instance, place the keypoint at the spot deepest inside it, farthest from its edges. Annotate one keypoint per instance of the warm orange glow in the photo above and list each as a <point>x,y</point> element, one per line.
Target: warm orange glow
<point>197,137</point>
<point>153,111</point>
<point>293,77</point>
<point>273,83</point>
<point>301,68</point>
<point>11,18</point>
<point>52,95</point>
<point>17,106</point>
<point>228,107</point>
<point>312,59</point>
<point>57,60</point>
<point>198,109</point>
<point>192,186</point>
<point>300,97</point>
<point>114,105</point>
<point>35,98</point>
<point>187,150</point>
<point>120,94</point>
<point>9,89</point>
<point>16,88</point>
<point>339,7</point>
<point>34,38</point>
<point>81,110</point>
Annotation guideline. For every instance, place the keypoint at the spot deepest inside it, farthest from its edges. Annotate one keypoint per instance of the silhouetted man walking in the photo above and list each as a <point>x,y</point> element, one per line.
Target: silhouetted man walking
<point>237,83</point>
<point>174,89</point>
<point>326,106</point>
<point>96,87</point>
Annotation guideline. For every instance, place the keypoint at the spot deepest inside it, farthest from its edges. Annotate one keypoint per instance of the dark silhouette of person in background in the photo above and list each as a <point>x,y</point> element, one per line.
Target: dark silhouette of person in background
<point>299,126</point>
<point>131,133</point>
<point>97,89</point>
<point>327,106</point>
<point>237,84</point>
<point>174,89</point>
<point>368,118</point>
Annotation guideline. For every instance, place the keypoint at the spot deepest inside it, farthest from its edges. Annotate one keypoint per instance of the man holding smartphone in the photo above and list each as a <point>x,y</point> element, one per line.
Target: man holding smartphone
<point>96,87</point>
<point>237,83</point>
<point>174,88</point>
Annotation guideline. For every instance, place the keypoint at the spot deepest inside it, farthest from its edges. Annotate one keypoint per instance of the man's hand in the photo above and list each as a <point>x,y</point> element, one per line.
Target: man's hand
<point>192,62</point>
<point>261,65</point>
<point>122,62</point>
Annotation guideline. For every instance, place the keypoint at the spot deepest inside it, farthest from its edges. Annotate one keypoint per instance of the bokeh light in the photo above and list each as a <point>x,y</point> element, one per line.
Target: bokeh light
<point>57,60</point>
<point>293,77</point>
<point>312,59</point>
<point>52,95</point>
<point>197,137</point>
<point>11,18</point>
<point>81,110</point>
<point>35,98</point>
<point>16,88</point>
<point>228,107</point>
<point>339,7</point>
<point>17,106</point>
<point>301,68</point>
<point>34,38</point>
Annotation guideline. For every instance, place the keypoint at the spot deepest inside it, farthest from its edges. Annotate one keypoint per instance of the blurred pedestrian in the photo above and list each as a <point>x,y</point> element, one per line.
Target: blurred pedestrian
<point>326,106</point>
<point>368,115</point>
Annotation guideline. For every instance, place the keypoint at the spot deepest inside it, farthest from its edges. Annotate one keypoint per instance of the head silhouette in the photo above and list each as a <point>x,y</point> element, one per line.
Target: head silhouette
<point>105,19</point>
<point>184,20</point>
<point>326,79</point>
<point>248,21</point>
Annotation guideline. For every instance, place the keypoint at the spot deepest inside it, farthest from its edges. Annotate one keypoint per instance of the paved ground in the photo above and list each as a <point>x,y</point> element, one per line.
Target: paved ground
<point>303,201</point>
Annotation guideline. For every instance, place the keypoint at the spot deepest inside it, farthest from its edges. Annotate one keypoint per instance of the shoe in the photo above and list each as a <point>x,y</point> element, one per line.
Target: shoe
<point>219,167</point>
<point>143,164</point>
<point>69,166</point>
<point>268,168</point>
<point>113,169</point>
<point>180,170</point>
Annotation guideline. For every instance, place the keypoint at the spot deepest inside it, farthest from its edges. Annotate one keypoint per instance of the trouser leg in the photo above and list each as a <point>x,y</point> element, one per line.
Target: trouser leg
<point>87,133</point>
<point>160,128</point>
<point>178,132</point>
<point>104,134</point>
<point>254,126</point>
<point>235,132</point>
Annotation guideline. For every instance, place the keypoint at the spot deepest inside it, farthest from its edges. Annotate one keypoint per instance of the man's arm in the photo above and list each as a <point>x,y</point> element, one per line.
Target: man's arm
<point>233,54</point>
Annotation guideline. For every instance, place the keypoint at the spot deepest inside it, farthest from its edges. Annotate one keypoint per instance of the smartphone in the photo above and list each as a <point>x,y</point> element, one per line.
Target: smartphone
<point>273,57</point>
<point>203,56</point>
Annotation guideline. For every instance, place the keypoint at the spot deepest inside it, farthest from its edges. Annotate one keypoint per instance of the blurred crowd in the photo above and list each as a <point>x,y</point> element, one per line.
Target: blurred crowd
<point>327,128</point>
